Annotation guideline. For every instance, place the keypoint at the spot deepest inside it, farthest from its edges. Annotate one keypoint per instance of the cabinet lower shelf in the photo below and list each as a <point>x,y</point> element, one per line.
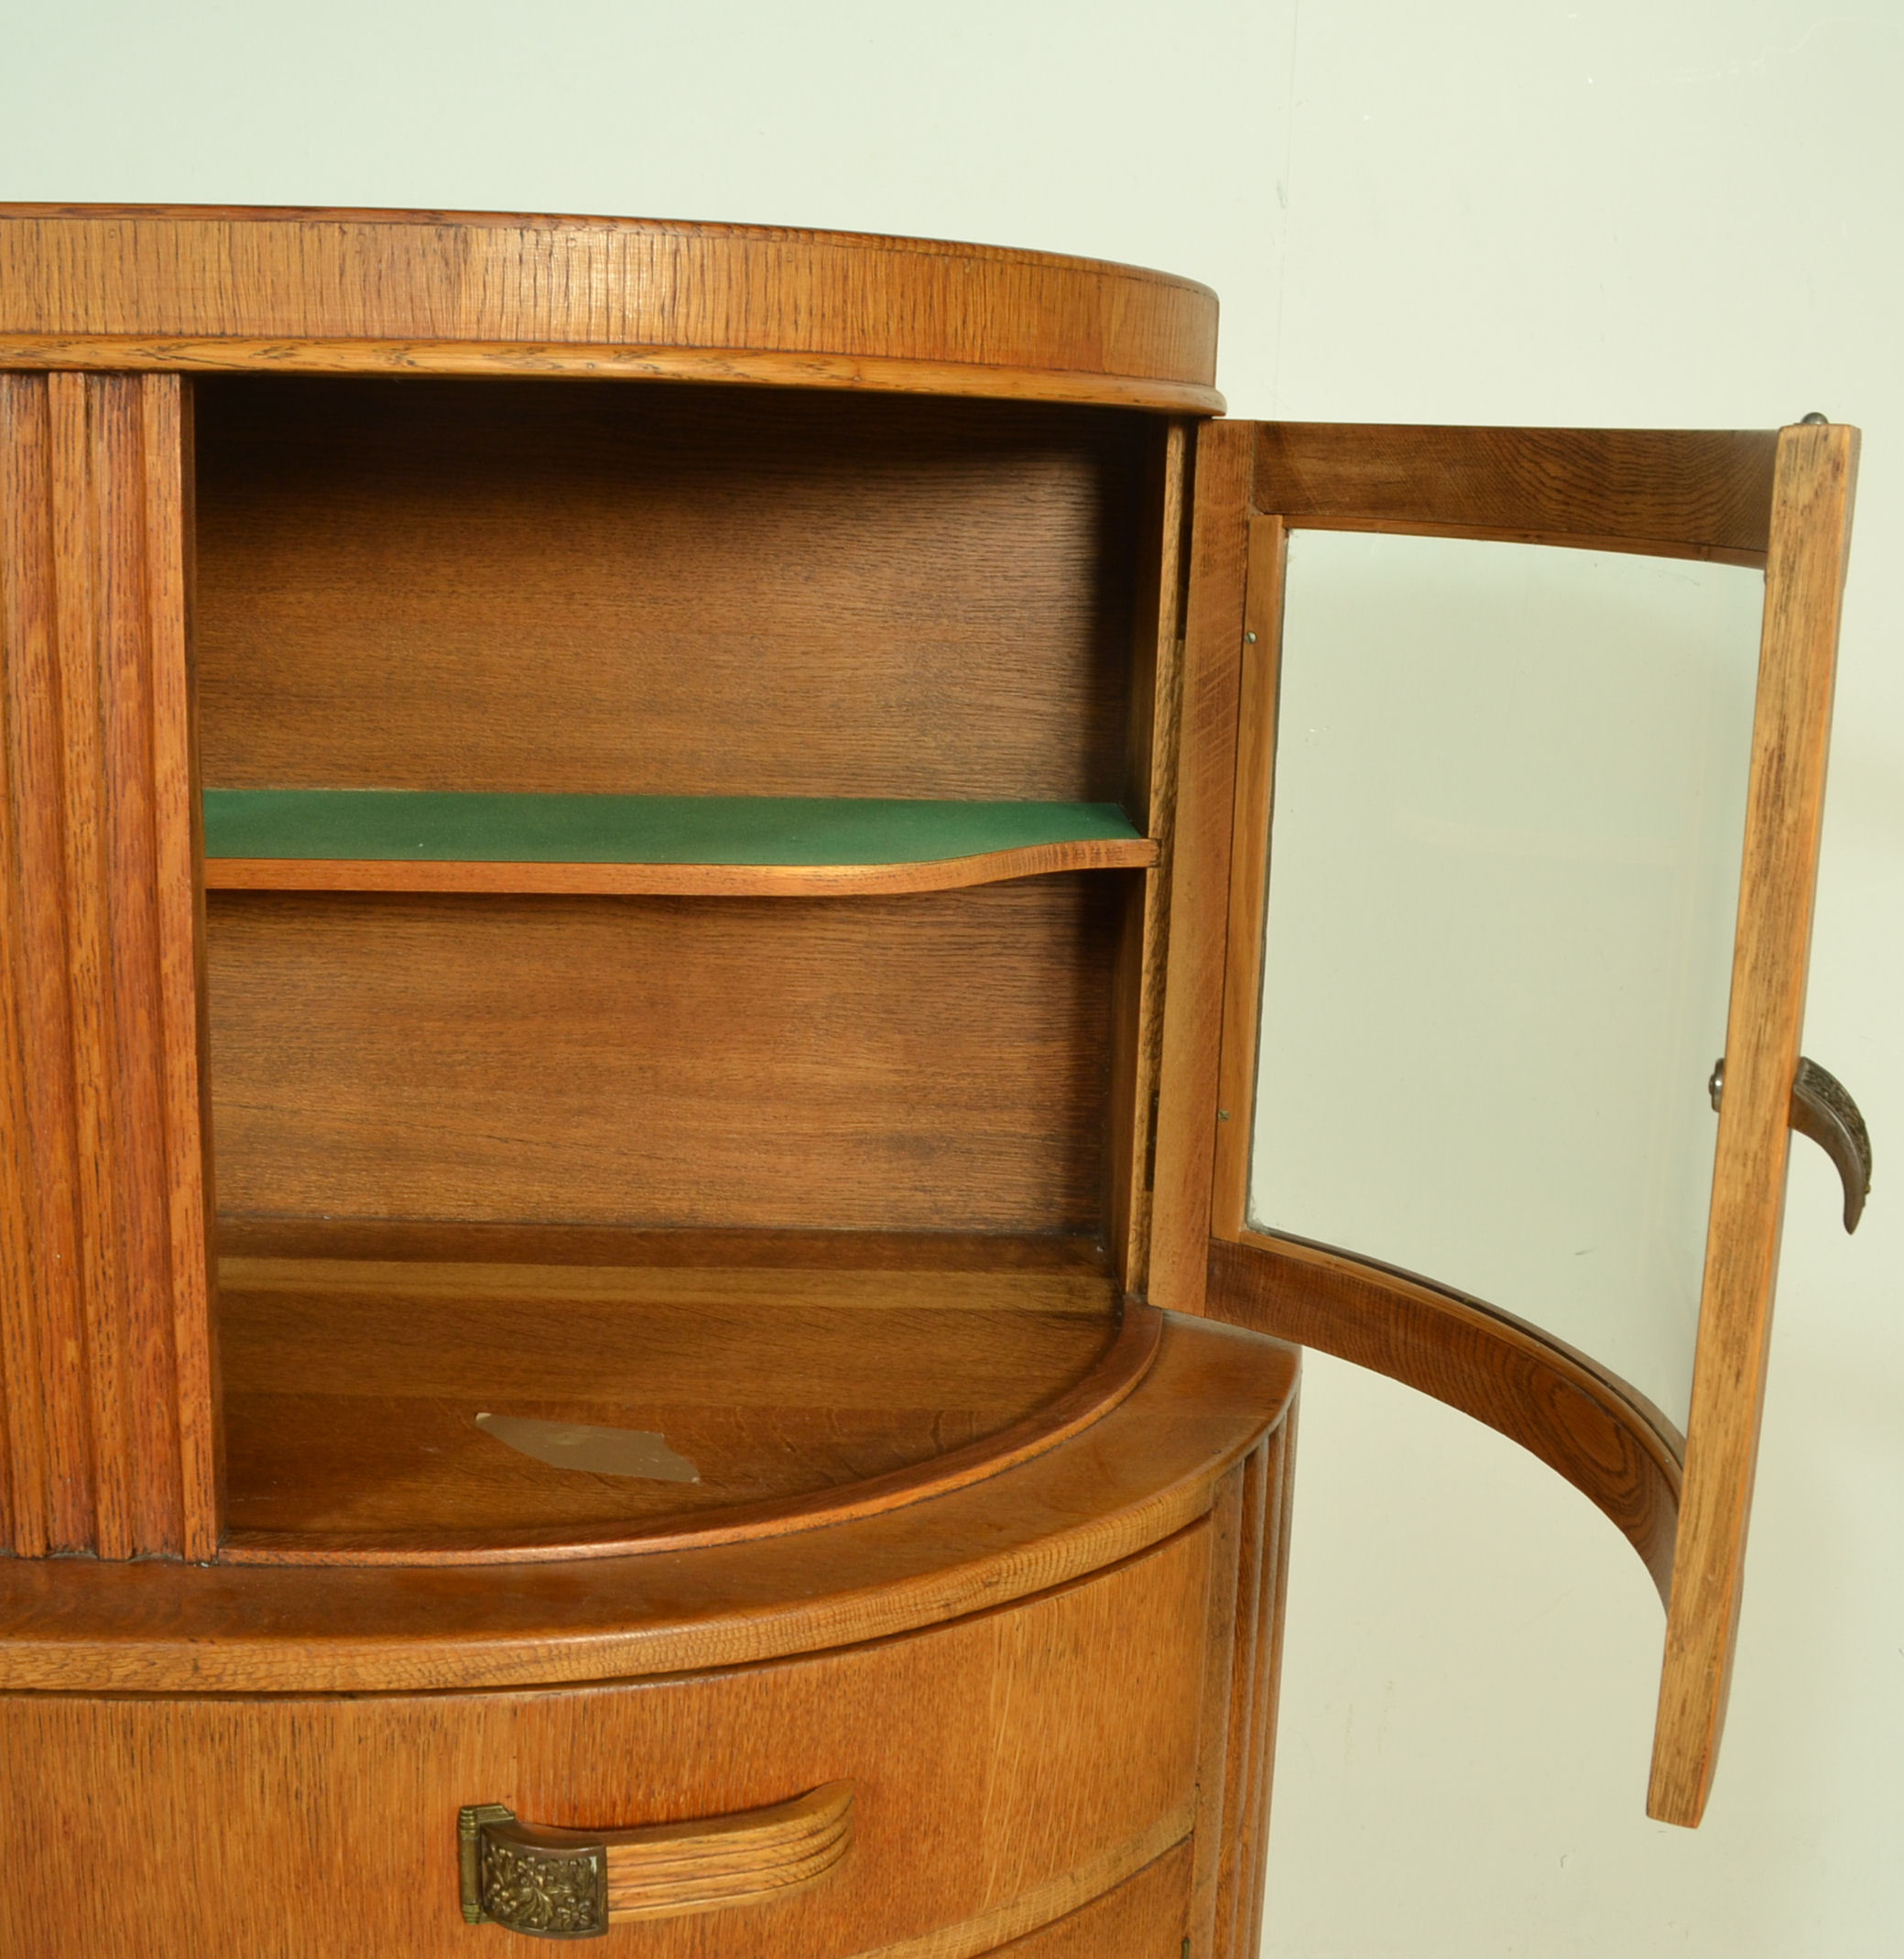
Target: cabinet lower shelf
<point>420,1395</point>
<point>415,839</point>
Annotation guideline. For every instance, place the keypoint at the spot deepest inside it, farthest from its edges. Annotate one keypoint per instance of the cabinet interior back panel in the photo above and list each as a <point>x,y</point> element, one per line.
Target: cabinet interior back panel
<point>661,589</point>
<point>933,1062</point>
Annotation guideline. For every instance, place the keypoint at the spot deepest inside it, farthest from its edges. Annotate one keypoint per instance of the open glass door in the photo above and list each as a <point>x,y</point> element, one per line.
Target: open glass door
<point>1497,825</point>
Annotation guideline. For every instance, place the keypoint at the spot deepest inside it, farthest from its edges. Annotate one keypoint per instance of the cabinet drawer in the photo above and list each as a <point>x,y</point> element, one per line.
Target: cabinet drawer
<point>1143,1918</point>
<point>1005,1769</point>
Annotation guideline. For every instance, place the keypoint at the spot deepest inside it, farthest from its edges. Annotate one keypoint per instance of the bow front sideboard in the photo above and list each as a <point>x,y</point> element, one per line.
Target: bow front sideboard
<point>649,912</point>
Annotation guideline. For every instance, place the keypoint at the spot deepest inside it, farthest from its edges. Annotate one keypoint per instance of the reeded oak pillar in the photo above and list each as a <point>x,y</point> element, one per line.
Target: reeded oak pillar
<point>105,1344</point>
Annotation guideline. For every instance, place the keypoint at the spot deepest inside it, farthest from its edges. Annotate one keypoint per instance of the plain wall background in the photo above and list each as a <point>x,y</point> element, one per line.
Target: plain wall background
<point>1653,212</point>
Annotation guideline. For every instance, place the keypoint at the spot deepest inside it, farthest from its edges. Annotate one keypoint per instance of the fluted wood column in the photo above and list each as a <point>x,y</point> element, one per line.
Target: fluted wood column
<point>106,1364</point>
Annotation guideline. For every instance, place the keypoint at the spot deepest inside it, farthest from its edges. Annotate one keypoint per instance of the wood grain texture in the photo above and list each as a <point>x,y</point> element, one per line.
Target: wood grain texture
<point>1810,535</point>
<point>1072,1272</point>
<point>1279,1459</point>
<point>1228,1613</point>
<point>675,880</point>
<point>664,592</point>
<point>709,1864</point>
<point>1247,1763</point>
<point>1151,792</point>
<point>1253,798</point>
<point>909,1062</point>
<point>1243,1730</point>
<point>1056,1899</point>
<point>513,360</point>
<point>667,1870</point>
<point>985,1773</point>
<point>110,1415</point>
<point>1200,865</point>
<point>403,291</point>
<point>1668,493</point>
<point>1602,1435</point>
<point>799,1396</point>
<point>1148,1468</point>
<point>1143,1918</point>
<point>1249,1549</point>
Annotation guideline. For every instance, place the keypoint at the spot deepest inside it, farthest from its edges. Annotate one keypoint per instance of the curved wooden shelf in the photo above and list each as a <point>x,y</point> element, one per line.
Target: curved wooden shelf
<point>675,880</point>
<point>1148,1468</point>
<point>1602,1435</point>
<point>194,289</point>
<point>731,847</point>
<point>1111,1378</point>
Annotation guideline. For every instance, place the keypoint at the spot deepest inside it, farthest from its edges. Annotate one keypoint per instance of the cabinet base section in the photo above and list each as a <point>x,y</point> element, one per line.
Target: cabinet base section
<point>936,1796</point>
<point>1034,1713</point>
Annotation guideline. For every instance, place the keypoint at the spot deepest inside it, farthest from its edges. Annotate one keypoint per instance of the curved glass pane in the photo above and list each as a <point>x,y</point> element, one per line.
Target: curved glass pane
<point>1510,799</point>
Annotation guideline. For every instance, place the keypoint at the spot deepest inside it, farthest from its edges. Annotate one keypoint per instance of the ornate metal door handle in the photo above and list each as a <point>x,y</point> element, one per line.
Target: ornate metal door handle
<point>1823,1109</point>
<point>572,1884</point>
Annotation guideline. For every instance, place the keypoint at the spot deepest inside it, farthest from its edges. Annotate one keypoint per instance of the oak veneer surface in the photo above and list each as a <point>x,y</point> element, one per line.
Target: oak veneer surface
<point>1200,865</point>
<point>1077,1260</point>
<point>1151,796</point>
<point>1810,537</point>
<point>1047,1750</point>
<point>109,1415</point>
<point>1252,802</point>
<point>1697,493</point>
<point>1591,1427</point>
<point>1241,1826</point>
<point>669,1869</point>
<point>1143,1918</point>
<point>544,878</point>
<point>670,592</point>
<point>488,293</point>
<point>1146,1468</point>
<point>934,1062</point>
<point>352,1386</point>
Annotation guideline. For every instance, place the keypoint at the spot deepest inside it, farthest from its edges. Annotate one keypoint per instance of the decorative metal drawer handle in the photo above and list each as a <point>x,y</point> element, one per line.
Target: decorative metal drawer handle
<point>573,1884</point>
<point>1823,1109</point>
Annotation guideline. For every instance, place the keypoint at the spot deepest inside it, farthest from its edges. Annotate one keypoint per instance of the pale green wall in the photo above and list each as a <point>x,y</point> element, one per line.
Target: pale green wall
<point>1678,213</point>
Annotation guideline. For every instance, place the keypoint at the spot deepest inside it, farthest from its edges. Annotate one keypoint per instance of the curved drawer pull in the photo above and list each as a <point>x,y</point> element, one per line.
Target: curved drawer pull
<point>573,1884</point>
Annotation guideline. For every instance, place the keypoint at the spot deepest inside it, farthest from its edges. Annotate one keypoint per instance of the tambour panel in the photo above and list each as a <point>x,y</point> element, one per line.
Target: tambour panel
<point>111,1442</point>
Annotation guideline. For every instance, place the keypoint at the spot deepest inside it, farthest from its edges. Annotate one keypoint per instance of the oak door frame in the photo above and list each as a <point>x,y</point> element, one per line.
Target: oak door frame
<point>1779,499</point>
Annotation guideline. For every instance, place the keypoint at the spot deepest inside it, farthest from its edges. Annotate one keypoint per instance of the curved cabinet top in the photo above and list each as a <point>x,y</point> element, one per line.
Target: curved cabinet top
<point>213,289</point>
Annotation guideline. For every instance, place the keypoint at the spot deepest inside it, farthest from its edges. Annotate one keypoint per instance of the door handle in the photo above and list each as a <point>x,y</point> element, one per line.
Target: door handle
<point>572,1884</point>
<point>1823,1109</point>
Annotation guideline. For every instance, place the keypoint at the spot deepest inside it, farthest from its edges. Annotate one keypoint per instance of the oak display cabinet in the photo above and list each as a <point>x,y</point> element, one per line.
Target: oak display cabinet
<point>651,916</point>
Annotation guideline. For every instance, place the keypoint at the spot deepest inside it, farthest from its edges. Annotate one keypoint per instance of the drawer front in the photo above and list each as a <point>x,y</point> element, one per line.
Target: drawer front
<point>1006,1769</point>
<point>1143,1917</point>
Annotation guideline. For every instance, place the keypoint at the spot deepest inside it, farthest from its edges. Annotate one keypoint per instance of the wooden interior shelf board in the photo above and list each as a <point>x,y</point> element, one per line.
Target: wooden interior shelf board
<point>1148,1469</point>
<point>422,840</point>
<point>357,1391</point>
